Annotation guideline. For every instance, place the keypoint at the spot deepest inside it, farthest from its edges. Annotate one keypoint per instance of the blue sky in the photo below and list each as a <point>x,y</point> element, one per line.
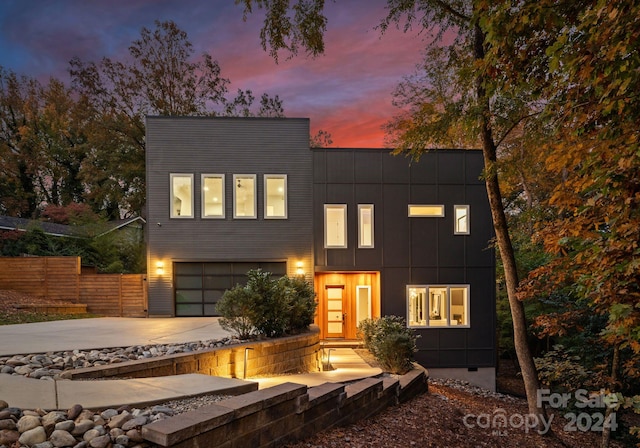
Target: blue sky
<point>346,92</point>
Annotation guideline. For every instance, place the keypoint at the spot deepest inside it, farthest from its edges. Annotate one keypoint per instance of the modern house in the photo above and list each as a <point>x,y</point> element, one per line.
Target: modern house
<point>376,234</point>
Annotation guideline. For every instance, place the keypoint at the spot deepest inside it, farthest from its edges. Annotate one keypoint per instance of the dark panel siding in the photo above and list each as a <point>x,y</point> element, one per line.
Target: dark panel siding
<point>420,250</point>
<point>228,146</point>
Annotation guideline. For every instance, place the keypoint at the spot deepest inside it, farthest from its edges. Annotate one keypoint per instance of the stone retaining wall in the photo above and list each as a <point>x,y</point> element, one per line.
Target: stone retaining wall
<point>291,354</point>
<point>282,414</point>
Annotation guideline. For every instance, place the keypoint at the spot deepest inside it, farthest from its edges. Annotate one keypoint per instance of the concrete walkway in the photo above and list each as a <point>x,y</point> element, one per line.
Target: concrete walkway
<point>29,393</point>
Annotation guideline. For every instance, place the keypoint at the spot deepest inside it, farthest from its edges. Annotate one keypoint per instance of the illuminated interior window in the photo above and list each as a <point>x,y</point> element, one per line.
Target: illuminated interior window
<point>365,225</point>
<point>335,226</point>
<point>181,195</point>
<point>461,216</point>
<point>275,196</point>
<point>244,196</point>
<point>213,195</point>
<point>418,210</point>
<point>437,306</point>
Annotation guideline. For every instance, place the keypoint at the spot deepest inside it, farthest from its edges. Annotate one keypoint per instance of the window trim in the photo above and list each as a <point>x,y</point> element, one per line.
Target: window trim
<point>423,215</point>
<point>456,230</point>
<point>236,178</point>
<point>286,195</point>
<point>204,176</point>
<point>467,305</point>
<point>344,233</point>
<point>172,176</point>
<point>360,228</point>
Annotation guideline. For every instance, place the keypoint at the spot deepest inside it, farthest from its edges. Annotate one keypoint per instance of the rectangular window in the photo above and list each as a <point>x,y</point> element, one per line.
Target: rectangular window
<point>419,210</point>
<point>212,195</point>
<point>181,195</point>
<point>461,216</point>
<point>275,196</point>
<point>438,306</point>
<point>335,226</point>
<point>365,226</point>
<point>244,196</point>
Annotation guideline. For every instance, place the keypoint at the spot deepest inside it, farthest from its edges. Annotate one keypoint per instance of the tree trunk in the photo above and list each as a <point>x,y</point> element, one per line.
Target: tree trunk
<point>507,255</point>
<point>606,428</point>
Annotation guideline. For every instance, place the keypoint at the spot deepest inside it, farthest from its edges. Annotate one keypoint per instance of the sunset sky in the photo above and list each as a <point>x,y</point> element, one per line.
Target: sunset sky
<point>346,92</point>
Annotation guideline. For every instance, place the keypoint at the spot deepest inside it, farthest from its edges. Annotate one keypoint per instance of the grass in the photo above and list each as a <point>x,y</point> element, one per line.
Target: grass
<point>27,317</point>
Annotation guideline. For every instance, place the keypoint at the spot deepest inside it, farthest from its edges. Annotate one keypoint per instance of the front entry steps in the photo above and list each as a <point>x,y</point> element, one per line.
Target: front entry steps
<point>341,343</point>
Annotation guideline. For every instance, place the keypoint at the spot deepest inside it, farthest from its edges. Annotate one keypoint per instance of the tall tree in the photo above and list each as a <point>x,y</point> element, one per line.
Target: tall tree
<point>161,77</point>
<point>304,24</point>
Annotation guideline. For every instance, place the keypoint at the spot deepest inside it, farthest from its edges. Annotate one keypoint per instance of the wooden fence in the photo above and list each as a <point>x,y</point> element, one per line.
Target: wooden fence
<point>60,278</point>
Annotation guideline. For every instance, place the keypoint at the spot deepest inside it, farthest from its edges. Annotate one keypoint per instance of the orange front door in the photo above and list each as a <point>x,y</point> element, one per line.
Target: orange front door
<point>335,311</point>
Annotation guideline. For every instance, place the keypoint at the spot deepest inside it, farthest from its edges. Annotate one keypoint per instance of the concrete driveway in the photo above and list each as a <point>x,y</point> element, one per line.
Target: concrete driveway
<point>106,332</point>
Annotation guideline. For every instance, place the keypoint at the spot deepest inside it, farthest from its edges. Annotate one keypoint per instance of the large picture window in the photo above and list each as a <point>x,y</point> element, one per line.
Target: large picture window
<point>212,195</point>
<point>435,306</point>
<point>365,226</point>
<point>275,196</point>
<point>181,195</point>
<point>335,226</point>
<point>244,196</point>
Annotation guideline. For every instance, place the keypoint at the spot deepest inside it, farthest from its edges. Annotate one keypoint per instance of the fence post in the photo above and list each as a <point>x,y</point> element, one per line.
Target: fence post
<point>120,296</point>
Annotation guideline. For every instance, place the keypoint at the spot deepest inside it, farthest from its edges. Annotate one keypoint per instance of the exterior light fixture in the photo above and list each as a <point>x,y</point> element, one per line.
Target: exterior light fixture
<point>299,269</point>
<point>160,268</point>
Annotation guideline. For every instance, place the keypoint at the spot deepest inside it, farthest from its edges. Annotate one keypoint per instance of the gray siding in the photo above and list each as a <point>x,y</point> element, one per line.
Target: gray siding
<point>227,146</point>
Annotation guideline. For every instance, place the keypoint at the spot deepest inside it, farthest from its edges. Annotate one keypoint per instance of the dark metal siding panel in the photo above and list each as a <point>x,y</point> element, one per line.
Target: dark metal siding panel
<point>425,170</point>
<point>451,167</point>
<point>340,167</point>
<point>229,146</point>
<point>396,226</point>
<point>395,169</point>
<point>425,244</point>
<point>368,167</point>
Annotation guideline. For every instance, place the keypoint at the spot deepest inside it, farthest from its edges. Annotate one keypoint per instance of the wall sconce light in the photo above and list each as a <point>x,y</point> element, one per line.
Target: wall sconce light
<point>299,269</point>
<point>159,268</point>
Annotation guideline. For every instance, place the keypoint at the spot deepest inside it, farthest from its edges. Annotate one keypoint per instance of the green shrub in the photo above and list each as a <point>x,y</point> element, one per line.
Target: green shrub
<point>301,303</point>
<point>561,371</point>
<point>238,306</point>
<point>269,307</point>
<point>390,342</point>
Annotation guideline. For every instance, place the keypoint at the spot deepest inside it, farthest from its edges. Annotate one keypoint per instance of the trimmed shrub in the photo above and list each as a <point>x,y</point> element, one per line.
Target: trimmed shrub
<point>390,342</point>
<point>238,306</point>
<point>268,307</point>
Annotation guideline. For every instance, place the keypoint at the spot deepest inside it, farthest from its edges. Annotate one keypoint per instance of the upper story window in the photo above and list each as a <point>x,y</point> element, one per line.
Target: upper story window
<point>244,196</point>
<point>181,194</point>
<point>426,210</point>
<point>438,306</point>
<point>275,196</point>
<point>335,226</point>
<point>213,195</point>
<point>365,226</point>
<point>461,216</point>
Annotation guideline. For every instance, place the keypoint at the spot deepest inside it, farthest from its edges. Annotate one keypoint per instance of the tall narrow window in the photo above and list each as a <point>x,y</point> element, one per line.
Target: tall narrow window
<point>335,226</point>
<point>461,216</point>
<point>181,195</point>
<point>426,210</point>
<point>244,196</point>
<point>212,195</point>
<point>275,196</point>
<point>365,226</point>
<point>438,306</point>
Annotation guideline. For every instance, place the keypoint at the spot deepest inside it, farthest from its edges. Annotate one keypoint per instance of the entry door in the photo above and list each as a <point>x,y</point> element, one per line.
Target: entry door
<point>335,311</point>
